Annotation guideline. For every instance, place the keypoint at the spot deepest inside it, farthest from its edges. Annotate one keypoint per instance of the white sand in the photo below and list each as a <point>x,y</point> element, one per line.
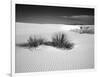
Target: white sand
<point>46,58</point>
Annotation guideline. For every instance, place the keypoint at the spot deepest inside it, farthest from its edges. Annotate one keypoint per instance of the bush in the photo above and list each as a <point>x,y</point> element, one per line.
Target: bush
<point>35,42</point>
<point>84,29</point>
<point>88,31</point>
<point>60,40</point>
<point>32,42</point>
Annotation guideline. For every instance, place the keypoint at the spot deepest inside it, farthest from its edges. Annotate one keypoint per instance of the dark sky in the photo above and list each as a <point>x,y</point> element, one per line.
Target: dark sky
<point>54,14</point>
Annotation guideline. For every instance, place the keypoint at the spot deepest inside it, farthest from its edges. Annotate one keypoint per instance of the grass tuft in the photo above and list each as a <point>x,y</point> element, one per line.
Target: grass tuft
<point>60,40</point>
<point>32,42</point>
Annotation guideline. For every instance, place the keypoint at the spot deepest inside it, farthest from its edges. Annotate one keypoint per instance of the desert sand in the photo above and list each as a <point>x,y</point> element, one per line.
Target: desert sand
<point>47,58</point>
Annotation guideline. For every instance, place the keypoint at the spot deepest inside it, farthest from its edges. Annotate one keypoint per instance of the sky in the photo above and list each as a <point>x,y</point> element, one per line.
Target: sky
<point>44,14</point>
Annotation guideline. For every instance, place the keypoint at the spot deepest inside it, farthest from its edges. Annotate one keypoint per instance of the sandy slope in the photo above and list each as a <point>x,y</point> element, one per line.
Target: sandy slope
<point>46,58</point>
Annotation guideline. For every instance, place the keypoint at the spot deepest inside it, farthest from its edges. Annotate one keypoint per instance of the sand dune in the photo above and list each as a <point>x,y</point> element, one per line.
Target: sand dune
<point>47,58</point>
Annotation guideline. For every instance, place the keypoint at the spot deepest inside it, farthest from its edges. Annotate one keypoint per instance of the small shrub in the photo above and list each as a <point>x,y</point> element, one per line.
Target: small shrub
<point>32,42</point>
<point>60,41</point>
<point>35,42</point>
<point>88,31</point>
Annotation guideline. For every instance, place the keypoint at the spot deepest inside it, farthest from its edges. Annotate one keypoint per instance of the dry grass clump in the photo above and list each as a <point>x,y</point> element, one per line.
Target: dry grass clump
<point>32,42</point>
<point>60,40</point>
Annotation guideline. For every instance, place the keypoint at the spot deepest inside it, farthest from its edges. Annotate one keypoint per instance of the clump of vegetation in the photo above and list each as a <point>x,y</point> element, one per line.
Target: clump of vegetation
<point>35,42</point>
<point>60,40</point>
<point>85,30</point>
<point>88,31</point>
<point>32,42</point>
